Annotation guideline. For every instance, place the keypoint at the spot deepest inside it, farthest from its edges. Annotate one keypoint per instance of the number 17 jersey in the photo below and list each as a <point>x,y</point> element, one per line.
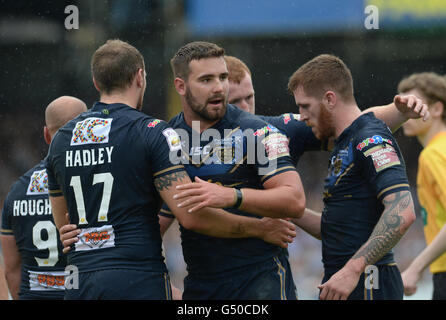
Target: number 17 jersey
<point>104,163</point>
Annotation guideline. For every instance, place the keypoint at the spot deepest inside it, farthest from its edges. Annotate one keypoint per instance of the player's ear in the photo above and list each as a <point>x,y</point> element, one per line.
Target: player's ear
<point>96,85</point>
<point>140,75</point>
<point>180,86</point>
<point>436,109</point>
<point>46,135</point>
<point>330,99</point>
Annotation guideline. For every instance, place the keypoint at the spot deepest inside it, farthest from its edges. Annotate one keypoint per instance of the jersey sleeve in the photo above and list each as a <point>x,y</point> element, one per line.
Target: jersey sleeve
<point>164,148</point>
<point>7,213</point>
<point>54,189</point>
<point>382,163</point>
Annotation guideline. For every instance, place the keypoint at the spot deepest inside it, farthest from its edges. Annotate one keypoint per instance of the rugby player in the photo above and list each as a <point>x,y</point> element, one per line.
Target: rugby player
<point>32,251</point>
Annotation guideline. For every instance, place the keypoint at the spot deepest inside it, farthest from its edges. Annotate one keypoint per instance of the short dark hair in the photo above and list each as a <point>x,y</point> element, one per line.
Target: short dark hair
<point>115,64</point>
<point>322,73</point>
<point>193,51</point>
<point>431,85</point>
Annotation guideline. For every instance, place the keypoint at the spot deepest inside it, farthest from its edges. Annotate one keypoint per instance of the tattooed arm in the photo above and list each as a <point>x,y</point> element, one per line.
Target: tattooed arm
<point>396,218</point>
<point>219,223</point>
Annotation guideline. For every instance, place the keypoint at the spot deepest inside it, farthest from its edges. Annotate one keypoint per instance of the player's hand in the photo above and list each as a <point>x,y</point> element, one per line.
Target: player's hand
<point>340,285</point>
<point>200,194</point>
<point>278,231</point>
<point>410,279</point>
<point>411,106</point>
<point>68,236</point>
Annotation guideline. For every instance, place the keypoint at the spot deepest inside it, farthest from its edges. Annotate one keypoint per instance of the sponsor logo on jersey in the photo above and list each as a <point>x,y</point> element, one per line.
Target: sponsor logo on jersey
<point>173,139</point>
<point>276,145</point>
<point>91,130</point>
<point>383,157</point>
<point>265,130</point>
<point>375,140</point>
<point>38,183</point>
<point>153,123</point>
<point>96,238</point>
<point>41,281</point>
<point>286,118</point>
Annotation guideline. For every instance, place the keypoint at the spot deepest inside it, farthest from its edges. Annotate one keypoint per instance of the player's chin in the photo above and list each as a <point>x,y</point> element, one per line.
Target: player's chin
<point>216,111</point>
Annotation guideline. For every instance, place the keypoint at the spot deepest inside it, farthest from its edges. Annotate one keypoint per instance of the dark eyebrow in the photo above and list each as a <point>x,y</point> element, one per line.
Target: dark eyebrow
<point>205,76</point>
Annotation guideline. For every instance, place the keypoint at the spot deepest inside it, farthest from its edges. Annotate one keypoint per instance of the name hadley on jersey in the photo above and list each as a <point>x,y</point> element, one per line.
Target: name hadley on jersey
<point>88,157</point>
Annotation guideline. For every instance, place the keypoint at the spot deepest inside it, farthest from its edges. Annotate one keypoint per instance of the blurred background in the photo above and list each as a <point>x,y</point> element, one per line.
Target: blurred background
<point>42,57</point>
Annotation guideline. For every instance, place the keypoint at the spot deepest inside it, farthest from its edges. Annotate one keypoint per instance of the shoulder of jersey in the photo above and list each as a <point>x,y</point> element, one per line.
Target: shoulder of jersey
<point>33,182</point>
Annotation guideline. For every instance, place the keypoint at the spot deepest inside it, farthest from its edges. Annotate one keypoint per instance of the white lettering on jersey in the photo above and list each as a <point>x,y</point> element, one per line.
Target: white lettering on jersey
<point>31,207</point>
<point>88,157</point>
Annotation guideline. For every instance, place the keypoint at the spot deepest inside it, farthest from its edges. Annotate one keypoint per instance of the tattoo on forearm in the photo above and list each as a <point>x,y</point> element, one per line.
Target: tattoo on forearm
<point>389,229</point>
<point>164,182</point>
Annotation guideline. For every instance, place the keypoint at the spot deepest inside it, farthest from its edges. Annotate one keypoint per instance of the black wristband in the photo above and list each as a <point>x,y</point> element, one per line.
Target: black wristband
<point>239,194</point>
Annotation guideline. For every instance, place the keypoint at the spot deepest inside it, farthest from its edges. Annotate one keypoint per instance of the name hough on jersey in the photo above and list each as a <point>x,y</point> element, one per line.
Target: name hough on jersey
<point>31,207</point>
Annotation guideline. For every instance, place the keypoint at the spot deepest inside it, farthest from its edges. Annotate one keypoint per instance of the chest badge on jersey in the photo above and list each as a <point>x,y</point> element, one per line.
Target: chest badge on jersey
<point>340,163</point>
<point>38,183</point>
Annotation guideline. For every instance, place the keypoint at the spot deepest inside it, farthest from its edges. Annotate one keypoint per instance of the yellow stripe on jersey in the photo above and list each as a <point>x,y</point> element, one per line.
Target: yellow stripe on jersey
<point>8,231</point>
<point>276,171</point>
<point>282,273</point>
<point>392,187</point>
<point>168,169</point>
<point>55,193</point>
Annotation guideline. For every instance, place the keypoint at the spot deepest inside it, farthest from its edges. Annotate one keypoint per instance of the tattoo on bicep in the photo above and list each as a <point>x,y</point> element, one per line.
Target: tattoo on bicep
<point>389,229</point>
<point>164,182</point>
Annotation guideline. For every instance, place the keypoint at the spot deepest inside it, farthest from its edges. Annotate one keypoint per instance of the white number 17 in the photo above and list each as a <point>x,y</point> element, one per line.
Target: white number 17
<point>107,180</point>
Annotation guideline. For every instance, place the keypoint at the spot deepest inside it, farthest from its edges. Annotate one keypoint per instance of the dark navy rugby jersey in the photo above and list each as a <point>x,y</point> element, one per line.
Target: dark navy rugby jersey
<point>301,137</point>
<point>220,155</point>
<point>365,166</point>
<point>104,162</point>
<point>27,216</point>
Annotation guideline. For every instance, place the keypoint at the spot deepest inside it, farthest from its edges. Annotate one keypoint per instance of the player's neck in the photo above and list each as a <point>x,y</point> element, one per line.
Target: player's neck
<point>437,127</point>
<point>344,116</point>
<point>125,97</point>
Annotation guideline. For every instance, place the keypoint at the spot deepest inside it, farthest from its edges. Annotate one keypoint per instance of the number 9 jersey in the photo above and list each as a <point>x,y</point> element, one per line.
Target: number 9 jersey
<point>27,217</point>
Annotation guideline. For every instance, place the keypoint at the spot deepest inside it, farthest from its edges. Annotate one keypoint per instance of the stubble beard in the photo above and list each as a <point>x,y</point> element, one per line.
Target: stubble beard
<point>325,124</point>
<point>202,110</point>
